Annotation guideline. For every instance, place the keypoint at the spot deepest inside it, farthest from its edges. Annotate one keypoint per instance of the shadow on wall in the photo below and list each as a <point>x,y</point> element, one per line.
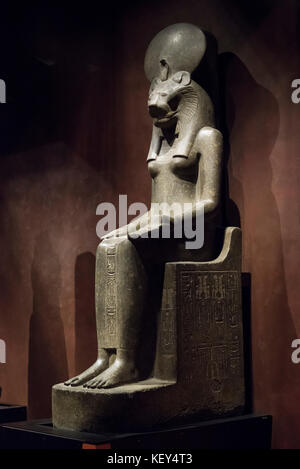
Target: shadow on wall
<point>252,116</point>
<point>47,350</point>
<point>85,316</point>
<point>226,118</point>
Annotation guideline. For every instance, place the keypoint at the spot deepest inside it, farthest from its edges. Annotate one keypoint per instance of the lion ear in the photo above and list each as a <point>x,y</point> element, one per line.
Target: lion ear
<point>182,77</point>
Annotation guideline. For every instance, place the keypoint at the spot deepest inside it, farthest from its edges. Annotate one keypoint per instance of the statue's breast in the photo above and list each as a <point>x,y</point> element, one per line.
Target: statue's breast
<point>178,166</point>
<point>174,179</point>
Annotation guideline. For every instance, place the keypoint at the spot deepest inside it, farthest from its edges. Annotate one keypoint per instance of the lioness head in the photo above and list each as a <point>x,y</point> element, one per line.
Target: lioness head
<point>165,97</point>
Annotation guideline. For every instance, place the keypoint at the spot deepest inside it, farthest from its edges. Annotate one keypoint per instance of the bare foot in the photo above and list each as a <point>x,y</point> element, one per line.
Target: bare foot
<point>100,365</point>
<point>118,373</point>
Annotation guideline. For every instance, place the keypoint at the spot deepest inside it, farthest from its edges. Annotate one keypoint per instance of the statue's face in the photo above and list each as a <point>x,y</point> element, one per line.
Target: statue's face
<point>165,96</point>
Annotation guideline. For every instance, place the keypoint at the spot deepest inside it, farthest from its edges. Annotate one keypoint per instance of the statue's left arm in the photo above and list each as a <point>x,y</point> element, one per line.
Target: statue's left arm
<point>209,145</point>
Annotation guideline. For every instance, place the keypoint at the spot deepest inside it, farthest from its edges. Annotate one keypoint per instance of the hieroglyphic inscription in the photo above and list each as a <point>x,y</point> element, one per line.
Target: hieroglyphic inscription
<point>166,356</point>
<point>168,317</point>
<point>110,295</point>
<point>211,325</point>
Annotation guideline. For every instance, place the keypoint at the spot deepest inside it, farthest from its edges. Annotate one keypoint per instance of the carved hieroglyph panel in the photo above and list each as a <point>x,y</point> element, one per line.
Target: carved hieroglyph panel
<point>210,327</point>
<point>110,312</point>
<point>168,318</point>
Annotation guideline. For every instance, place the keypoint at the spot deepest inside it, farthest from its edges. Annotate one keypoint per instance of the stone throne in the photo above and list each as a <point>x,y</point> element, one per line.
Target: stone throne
<point>197,368</point>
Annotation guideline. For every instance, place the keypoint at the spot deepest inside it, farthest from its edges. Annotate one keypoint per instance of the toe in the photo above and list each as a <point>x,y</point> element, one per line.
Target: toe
<point>75,382</point>
<point>69,381</point>
<point>100,383</point>
<point>108,383</point>
<point>93,384</point>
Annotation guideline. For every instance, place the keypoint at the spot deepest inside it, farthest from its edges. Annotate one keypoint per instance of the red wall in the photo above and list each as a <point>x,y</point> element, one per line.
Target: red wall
<point>49,190</point>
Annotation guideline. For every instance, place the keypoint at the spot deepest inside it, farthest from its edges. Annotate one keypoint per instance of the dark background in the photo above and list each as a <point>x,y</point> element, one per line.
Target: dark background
<point>75,132</point>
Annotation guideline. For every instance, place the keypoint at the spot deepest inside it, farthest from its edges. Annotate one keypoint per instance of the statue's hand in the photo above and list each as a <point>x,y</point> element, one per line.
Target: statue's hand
<point>151,230</point>
<point>134,225</point>
<point>116,233</point>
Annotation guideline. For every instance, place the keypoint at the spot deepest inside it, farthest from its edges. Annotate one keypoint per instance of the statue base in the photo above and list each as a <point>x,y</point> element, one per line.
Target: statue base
<point>246,432</point>
<point>199,365</point>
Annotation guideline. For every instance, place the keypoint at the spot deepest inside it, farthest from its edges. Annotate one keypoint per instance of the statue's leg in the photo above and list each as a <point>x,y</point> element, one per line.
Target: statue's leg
<point>121,295</point>
<point>105,340</point>
<point>102,361</point>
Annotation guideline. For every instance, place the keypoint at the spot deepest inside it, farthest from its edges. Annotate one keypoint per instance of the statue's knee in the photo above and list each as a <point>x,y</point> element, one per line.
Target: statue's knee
<point>110,243</point>
<point>103,245</point>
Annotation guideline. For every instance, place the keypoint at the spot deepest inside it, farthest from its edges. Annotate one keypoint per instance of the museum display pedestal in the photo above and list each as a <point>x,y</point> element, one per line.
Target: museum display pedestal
<point>244,432</point>
<point>12,413</point>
